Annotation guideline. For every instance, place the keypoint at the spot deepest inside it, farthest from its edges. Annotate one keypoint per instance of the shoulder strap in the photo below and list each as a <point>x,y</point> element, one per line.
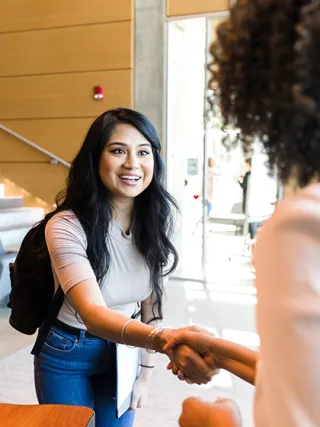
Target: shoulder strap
<point>53,311</point>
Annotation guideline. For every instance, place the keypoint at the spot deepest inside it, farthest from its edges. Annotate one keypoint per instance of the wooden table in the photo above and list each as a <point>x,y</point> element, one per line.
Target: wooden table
<point>45,416</point>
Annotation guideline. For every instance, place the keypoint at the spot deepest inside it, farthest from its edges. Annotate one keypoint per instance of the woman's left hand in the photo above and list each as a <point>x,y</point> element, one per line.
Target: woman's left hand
<point>140,390</point>
<point>221,413</point>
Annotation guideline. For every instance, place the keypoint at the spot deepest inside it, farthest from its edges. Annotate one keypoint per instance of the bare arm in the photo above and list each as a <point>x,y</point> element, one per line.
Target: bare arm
<point>147,317</point>
<point>101,321</point>
<point>241,370</point>
<point>227,350</point>
<point>220,353</point>
<point>67,247</point>
<point>87,299</point>
<point>234,358</point>
<point>66,242</point>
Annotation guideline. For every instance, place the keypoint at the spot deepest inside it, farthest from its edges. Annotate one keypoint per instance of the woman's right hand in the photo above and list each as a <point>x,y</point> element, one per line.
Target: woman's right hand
<point>185,357</point>
<point>176,370</point>
<point>215,352</point>
<point>195,337</point>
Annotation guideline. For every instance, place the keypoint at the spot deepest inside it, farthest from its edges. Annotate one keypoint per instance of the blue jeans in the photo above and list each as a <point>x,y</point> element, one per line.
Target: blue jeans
<point>79,371</point>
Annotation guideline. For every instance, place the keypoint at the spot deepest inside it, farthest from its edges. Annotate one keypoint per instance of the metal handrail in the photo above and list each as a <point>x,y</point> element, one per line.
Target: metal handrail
<point>53,157</point>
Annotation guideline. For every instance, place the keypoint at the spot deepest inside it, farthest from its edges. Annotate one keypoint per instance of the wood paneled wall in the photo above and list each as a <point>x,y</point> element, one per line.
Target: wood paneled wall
<point>194,7</point>
<point>62,95</point>
<point>67,50</point>
<point>22,15</point>
<point>52,55</point>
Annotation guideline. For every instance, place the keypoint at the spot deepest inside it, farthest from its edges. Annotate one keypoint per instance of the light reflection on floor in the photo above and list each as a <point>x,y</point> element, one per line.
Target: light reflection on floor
<point>227,260</point>
<point>232,289</point>
<point>234,299</point>
<point>222,380</point>
<point>224,304</point>
<point>197,291</point>
<point>246,338</point>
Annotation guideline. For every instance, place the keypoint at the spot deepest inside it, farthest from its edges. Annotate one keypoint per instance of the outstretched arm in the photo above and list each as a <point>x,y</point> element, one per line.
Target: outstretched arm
<point>66,243</point>
<point>219,353</point>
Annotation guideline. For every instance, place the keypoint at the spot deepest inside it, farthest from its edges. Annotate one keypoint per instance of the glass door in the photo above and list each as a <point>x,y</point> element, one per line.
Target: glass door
<point>224,196</point>
<point>185,135</point>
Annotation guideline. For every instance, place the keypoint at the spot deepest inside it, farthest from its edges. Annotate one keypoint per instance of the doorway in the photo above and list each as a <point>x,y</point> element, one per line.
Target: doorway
<point>220,218</point>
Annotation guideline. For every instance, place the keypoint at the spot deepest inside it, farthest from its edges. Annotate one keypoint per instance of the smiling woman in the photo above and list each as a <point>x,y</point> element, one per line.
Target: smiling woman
<point>126,164</point>
<point>109,241</point>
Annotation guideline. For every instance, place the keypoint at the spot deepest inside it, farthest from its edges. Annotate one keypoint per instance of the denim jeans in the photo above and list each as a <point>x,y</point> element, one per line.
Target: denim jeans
<point>80,371</point>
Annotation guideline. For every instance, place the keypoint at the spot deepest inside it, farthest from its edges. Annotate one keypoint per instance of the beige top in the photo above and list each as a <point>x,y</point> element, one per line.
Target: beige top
<point>128,278</point>
<point>287,261</point>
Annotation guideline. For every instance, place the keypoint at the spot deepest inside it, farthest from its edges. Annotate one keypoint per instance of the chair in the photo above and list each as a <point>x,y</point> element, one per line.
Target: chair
<point>12,415</point>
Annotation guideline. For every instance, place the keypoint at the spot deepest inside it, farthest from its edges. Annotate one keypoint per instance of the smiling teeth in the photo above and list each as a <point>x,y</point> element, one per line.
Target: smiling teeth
<point>133,178</point>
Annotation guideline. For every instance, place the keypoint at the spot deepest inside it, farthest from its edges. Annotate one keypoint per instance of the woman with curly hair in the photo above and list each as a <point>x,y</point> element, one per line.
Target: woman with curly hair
<point>266,78</point>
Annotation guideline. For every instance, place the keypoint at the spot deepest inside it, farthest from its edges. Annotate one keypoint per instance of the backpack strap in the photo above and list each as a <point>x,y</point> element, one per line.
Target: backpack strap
<point>52,314</point>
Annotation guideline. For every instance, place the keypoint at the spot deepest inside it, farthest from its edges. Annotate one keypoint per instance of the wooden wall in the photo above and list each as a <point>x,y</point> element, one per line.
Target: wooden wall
<point>52,55</point>
<point>194,7</point>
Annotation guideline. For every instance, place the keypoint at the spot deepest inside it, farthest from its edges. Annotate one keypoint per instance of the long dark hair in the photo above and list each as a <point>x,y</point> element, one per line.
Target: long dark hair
<point>265,76</point>
<point>153,219</point>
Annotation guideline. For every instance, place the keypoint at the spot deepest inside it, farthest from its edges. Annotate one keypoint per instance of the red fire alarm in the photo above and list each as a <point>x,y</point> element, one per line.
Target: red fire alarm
<point>98,93</point>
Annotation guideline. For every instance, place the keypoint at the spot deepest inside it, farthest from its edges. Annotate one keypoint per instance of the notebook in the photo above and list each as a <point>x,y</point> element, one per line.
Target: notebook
<point>128,368</point>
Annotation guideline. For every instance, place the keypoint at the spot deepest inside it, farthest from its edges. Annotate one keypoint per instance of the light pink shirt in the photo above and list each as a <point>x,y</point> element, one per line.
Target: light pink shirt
<point>127,281</point>
<point>287,262</point>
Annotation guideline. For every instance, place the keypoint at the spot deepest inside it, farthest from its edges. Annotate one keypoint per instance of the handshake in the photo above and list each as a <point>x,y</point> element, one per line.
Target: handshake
<point>196,355</point>
<point>192,355</point>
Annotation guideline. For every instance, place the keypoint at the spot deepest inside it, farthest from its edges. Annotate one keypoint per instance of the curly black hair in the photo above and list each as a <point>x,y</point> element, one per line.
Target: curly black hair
<point>265,76</point>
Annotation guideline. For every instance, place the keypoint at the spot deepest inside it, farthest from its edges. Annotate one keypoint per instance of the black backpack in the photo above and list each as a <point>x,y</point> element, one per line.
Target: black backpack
<point>32,299</point>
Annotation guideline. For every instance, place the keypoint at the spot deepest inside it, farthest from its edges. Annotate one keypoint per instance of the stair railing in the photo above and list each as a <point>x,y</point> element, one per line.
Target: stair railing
<point>53,158</point>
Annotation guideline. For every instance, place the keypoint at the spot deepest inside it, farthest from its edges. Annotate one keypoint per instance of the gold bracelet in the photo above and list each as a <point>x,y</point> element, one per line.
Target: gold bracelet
<point>152,336</point>
<point>149,341</point>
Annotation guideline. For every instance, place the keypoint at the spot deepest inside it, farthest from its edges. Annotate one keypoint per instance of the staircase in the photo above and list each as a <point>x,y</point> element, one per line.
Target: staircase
<point>15,222</point>
<point>30,166</point>
<point>38,175</point>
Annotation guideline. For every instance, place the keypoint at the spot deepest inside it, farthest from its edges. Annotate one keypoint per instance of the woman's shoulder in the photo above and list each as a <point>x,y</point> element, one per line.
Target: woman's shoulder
<point>65,220</point>
<point>64,216</point>
<point>288,247</point>
<point>301,208</point>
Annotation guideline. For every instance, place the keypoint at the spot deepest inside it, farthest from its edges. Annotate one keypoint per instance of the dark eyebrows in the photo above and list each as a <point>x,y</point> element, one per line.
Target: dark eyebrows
<point>123,144</point>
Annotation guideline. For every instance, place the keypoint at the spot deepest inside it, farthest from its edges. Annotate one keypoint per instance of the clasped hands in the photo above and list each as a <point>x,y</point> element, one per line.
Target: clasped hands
<point>192,357</point>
